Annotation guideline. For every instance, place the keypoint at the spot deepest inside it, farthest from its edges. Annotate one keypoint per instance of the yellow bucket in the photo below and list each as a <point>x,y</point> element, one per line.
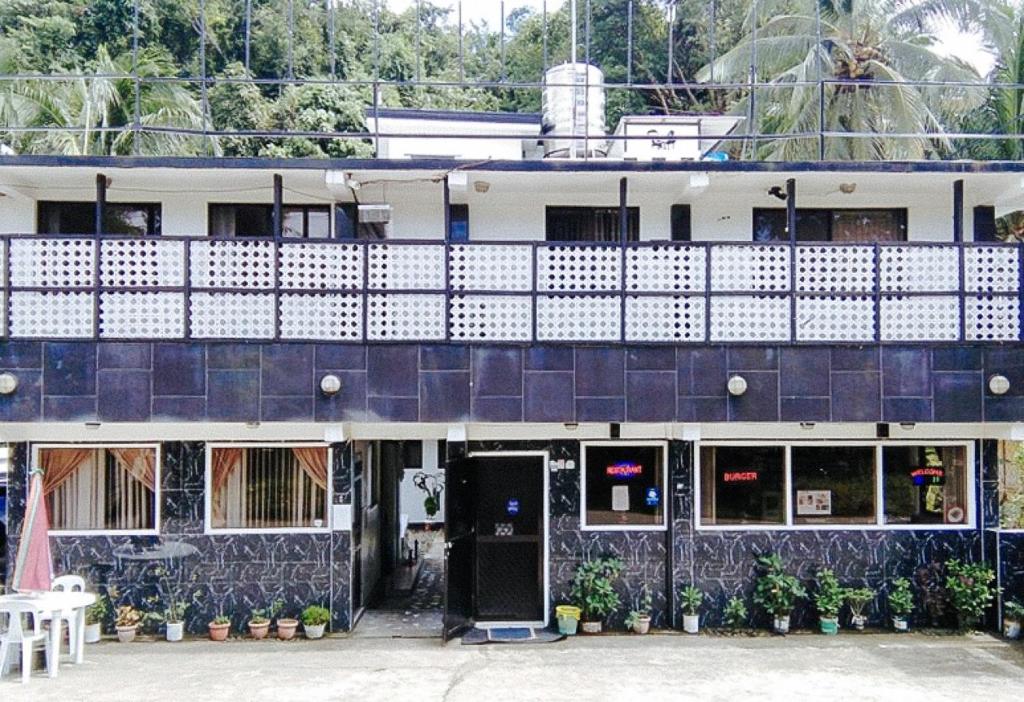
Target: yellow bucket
<point>567,611</point>
<point>568,617</point>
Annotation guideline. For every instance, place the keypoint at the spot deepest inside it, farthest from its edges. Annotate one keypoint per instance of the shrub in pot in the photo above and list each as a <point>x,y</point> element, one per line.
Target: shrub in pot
<point>691,598</point>
<point>735,613</point>
<point>95,614</point>
<point>777,592</point>
<point>127,620</point>
<point>173,620</point>
<point>170,605</point>
<point>219,628</point>
<point>901,603</point>
<point>593,591</point>
<point>1013,615</point>
<point>314,621</point>
<point>639,620</point>
<point>858,598</point>
<point>970,590</point>
<point>828,599</point>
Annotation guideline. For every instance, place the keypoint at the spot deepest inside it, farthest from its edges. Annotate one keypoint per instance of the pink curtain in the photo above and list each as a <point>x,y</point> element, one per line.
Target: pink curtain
<point>225,460</point>
<point>60,464</point>
<point>140,463</point>
<point>313,460</point>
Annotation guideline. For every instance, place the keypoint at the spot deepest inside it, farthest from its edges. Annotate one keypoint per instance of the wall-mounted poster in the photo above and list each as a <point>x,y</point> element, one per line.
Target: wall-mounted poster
<point>814,503</point>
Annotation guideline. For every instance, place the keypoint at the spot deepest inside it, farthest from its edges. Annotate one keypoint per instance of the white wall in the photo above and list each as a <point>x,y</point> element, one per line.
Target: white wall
<point>410,499</point>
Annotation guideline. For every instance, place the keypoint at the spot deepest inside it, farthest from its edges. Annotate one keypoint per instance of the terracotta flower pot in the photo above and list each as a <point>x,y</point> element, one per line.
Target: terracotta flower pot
<point>126,634</point>
<point>219,632</point>
<point>259,630</point>
<point>286,628</point>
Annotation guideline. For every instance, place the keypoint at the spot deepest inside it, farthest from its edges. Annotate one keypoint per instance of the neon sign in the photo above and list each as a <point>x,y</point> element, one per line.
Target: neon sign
<point>928,475</point>
<point>624,470</point>
<point>739,476</point>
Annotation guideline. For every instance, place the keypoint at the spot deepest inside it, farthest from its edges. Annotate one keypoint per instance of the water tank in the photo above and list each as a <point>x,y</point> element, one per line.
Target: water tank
<point>573,108</point>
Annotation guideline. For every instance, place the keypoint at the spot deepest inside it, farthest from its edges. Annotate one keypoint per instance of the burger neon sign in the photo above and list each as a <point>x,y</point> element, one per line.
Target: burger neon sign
<point>739,476</point>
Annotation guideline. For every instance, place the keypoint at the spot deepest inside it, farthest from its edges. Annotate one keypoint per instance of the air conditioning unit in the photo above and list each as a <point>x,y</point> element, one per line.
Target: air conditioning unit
<point>375,214</point>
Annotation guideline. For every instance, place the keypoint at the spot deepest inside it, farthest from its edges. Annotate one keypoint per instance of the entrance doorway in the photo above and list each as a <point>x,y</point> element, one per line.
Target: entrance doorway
<point>496,553</point>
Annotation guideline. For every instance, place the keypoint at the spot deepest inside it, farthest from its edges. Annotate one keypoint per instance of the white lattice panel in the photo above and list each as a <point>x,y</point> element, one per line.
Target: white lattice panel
<point>576,318</point>
<point>321,266</point>
<point>232,316</point>
<point>406,267</point>
<point>142,263</point>
<point>52,263</point>
<point>750,318</point>
<point>758,267</point>
<point>322,317</point>
<point>665,318</point>
<point>52,315</point>
<point>920,318</point>
<point>666,268</point>
<point>919,268</point>
<point>992,318</point>
<point>491,318</point>
<point>835,318</point>
<point>835,268</point>
<point>408,317</point>
<point>138,315</point>
<point>991,269</point>
<point>496,267</point>
<point>232,264</point>
<point>579,268</point>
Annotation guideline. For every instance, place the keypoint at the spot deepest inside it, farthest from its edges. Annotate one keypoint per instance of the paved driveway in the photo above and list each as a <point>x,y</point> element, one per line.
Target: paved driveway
<point>656,667</point>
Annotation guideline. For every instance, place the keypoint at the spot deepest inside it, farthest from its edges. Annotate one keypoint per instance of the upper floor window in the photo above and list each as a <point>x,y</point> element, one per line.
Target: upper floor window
<point>599,224</point>
<point>242,220</point>
<point>842,225</point>
<point>62,217</point>
<point>111,488</point>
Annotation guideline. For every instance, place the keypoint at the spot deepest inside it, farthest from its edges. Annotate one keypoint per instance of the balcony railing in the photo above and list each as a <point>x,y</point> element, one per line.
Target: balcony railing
<point>511,292</point>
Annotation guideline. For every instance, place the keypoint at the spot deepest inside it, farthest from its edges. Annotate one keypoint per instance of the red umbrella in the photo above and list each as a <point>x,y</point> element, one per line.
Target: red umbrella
<point>33,565</point>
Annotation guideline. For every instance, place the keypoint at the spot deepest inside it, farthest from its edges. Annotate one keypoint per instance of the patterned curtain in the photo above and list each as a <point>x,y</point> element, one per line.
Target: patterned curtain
<point>59,464</point>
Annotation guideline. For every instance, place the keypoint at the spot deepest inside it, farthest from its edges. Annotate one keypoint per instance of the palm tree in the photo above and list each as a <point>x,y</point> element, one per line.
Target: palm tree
<point>92,112</point>
<point>873,50</point>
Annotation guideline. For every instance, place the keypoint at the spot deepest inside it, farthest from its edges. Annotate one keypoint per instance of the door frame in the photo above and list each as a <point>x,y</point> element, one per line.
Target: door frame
<point>545,456</point>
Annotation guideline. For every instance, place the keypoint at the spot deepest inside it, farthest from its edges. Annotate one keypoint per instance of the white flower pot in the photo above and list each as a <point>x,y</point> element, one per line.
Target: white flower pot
<point>780,624</point>
<point>900,624</point>
<point>126,634</point>
<point>314,631</point>
<point>591,627</point>
<point>858,621</point>
<point>93,632</point>
<point>642,625</point>
<point>691,623</point>
<point>175,631</point>
<point>1011,628</point>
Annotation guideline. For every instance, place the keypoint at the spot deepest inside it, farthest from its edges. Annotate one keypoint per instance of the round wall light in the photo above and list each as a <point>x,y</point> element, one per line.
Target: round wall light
<point>330,384</point>
<point>999,384</point>
<point>8,383</point>
<point>737,385</point>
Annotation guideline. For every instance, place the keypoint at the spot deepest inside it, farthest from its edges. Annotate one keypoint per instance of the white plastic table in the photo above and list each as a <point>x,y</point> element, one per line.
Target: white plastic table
<point>55,603</point>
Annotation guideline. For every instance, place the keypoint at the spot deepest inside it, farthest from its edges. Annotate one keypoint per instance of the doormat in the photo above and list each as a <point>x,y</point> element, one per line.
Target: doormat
<point>510,635</point>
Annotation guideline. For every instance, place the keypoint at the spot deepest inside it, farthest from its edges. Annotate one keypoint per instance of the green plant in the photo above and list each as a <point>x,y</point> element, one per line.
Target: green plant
<point>776,591</point>
<point>691,598</point>
<point>315,615</point>
<point>221,620</point>
<point>643,610</point>
<point>1013,610</point>
<point>265,614</point>
<point>127,616</point>
<point>858,598</point>
<point>901,598</point>
<point>593,589</point>
<point>98,611</point>
<point>970,590</point>
<point>736,613</point>
<point>830,595</point>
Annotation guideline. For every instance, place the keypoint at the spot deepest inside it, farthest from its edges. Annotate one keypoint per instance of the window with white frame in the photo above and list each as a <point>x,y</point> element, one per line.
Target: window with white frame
<point>268,487</point>
<point>834,485</point>
<point>624,485</point>
<point>108,488</point>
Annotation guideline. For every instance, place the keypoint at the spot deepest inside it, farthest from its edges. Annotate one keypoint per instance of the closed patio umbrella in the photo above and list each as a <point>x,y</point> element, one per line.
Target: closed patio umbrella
<point>33,565</point>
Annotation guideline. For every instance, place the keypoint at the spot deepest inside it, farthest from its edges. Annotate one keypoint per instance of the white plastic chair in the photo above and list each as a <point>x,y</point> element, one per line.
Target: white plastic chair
<point>67,583</point>
<point>18,634</point>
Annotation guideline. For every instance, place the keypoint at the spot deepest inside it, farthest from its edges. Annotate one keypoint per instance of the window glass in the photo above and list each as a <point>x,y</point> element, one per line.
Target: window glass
<point>100,488</point>
<point>268,487</point>
<point>257,220</point>
<point>458,215</point>
<point>598,224</point>
<point>925,484</point>
<point>1011,484</point>
<point>833,484</point>
<point>624,485</point>
<point>742,485</point>
<point>844,225</point>
<point>140,218</point>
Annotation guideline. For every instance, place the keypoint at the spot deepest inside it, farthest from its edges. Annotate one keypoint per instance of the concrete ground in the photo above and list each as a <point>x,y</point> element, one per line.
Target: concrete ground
<point>655,667</point>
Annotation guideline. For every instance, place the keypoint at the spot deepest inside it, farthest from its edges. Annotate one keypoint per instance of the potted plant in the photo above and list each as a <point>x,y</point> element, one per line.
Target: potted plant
<point>126,621</point>
<point>901,603</point>
<point>95,614</point>
<point>314,621</point>
<point>259,622</point>
<point>1013,614</point>
<point>593,591</point>
<point>776,592</point>
<point>735,613</point>
<point>829,600</point>
<point>174,601</point>
<point>286,626</point>
<point>970,590</point>
<point>639,620</point>
<point>692,598</point>
<point>858,598</point>
<point>219,628</point>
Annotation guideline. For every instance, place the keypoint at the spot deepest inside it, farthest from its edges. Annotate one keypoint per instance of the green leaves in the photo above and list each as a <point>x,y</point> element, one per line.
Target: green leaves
<point>970,590</point>
<point>593,589</point>
<point>776,592</point>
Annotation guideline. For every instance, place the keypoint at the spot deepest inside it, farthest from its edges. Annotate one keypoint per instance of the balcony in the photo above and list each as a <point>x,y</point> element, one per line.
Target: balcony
<point>173,288</point>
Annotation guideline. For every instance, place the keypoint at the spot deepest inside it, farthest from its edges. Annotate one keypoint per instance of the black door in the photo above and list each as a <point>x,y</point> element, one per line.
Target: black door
<point>459,525</point>
<point>510,538</point>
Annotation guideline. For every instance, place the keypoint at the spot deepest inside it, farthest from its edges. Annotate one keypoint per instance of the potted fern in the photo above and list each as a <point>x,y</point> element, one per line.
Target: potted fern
<point>829,600</point>
<point>1013,614</point>
<point>901,603</point>
<point>692,598</point>
<point>858,598</point>
<point>314,621</point>
<point>777,592</point>
<point>593,591</point>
